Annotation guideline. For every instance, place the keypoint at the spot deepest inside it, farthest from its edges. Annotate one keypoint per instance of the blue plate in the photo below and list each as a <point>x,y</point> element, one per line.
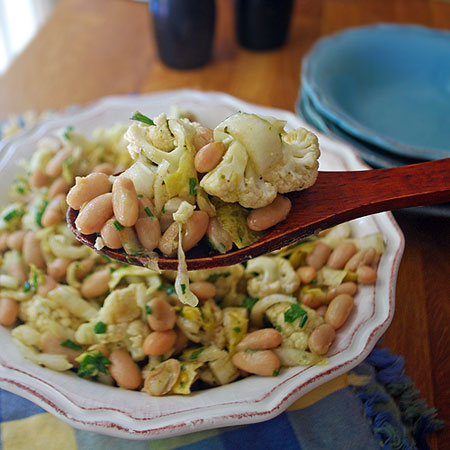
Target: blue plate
<point>372,155</point>
<point>388,85</point>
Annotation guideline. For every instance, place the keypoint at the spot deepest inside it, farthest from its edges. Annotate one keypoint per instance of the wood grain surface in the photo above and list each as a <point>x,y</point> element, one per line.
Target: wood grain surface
<point>89,49</point>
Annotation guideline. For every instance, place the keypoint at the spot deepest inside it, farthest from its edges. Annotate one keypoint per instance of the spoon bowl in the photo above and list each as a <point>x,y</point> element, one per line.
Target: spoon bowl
<point>335,198</point>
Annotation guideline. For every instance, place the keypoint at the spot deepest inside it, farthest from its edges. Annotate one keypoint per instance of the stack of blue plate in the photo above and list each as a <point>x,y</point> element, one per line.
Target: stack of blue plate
<point>385,89</point>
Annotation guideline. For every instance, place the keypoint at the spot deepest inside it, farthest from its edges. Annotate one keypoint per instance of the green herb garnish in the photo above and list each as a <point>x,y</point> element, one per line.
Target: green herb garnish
<point>276,372</point>
<point>192,186</point>
<point>40,213</point>
<point>118,225</point>
<point>99,328</point>
<point>278,328</point>
<point>170,290</point>
<point>93,363</point>
<point>303,320</point>
<point>197,352</point>
<point>148,211</point>
<point>141,118</point>
<point>70,344</point>
<point>67,131</point>
<point>249,302</point>
<point>215,276</point>
<point>249,350</point>
<point>112,269</point>
<point>13,214</point>
<point>148,310</point>
<point>183,288</point>
<point>163,210</point>
<point>293,313</point>
<point>237,329</point>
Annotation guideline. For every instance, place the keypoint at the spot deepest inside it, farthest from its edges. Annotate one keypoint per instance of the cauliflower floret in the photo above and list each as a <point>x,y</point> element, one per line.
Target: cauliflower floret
<point>122,305</point>
<point>261,160</point>
<point>137,331</point>
<point>292,330</point>
<point>273,274</point>
<point>42,313</point>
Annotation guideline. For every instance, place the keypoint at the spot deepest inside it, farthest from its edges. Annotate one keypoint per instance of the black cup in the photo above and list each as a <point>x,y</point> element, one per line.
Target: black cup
<point>262,24</point>
<point>184,31</point>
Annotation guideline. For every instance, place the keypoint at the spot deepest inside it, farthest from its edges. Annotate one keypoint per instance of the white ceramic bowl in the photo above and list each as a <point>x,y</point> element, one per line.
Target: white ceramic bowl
<point>134,415</point>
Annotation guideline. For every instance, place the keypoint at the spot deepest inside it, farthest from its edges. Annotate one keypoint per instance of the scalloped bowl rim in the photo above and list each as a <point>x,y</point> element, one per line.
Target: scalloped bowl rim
<point>134,415</point>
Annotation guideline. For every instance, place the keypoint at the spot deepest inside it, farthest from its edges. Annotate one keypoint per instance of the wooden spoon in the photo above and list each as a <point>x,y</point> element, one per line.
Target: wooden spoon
<point>335,198</point>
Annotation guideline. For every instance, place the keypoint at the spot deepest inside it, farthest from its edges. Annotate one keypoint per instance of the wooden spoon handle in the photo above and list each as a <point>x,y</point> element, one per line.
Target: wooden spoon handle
<point>370,191</point>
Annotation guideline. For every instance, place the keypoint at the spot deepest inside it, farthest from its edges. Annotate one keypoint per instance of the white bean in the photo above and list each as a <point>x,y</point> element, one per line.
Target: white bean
<point>125,201</point>
<point>263,339</point>
<point>209,156</point>
<point>338,310</point>
<point>54,212</point>
<point>94,215</point>
<point>55,165</point>
<point>32,253</point>
<point>321,339</point>
<point>96,284</point>
<point>263,218</point>
<point>318,257</point>
<point>218,236</point>
<point>341,254</point>
<point>9,310</point>
<point>260,362</point>
<point>88,188</point>
<point>124,370</point>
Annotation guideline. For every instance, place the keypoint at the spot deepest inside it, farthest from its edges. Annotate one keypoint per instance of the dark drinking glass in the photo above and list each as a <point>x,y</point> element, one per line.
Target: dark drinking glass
<point>262,24</point>
<point>184,31</point>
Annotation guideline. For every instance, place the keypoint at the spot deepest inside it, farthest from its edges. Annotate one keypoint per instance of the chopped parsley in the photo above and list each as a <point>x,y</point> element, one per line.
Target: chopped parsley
<point>141,118</point>
<point>148,211</point>
<point>197,352</point>
<point>237,329</point>
<point>13,214</point>
<point>303,320</point>
<point>67,131</point>
<point>140,195</point>
<point>249,302</point>
<point>163,210</point>
<point>293,313</point>
<point>93,363</point>
<point>112,269</point>
<point>99,328</point>
<point>278,328</point>
<point>249,350</point>
<point>70,344</point>
<point>118,225</point>
<point>148,310</point>
<point>183,288</point>
<point>276,372</point>
<point>192,186</point>
<point>215,276</point>
<point>40,213</point>
<point>167,287</point>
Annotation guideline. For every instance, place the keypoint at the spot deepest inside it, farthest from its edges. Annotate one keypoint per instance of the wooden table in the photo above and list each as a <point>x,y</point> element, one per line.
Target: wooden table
<point>89,49</point>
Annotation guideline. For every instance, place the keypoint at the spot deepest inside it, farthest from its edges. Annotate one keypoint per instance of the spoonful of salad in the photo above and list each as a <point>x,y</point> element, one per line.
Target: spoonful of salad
<point>197,198</point>
<point>335,198</point>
